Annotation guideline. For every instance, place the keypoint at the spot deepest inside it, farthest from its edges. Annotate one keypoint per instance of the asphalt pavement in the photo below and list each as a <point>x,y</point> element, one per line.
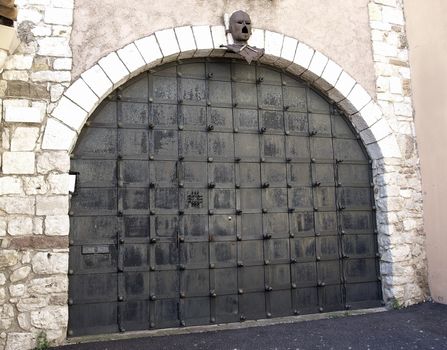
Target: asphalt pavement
<point>421,326</point>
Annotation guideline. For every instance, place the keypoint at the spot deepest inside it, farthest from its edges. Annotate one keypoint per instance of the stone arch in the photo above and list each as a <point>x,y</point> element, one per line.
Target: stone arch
<point>83,95</point>
<point>81,98</point>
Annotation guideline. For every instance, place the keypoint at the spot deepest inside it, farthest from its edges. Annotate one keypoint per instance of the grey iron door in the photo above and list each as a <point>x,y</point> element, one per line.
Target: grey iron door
<point>216,191</point>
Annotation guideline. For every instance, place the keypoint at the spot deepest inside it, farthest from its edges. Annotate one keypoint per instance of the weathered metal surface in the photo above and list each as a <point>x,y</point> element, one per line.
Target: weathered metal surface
<point>206,194</point>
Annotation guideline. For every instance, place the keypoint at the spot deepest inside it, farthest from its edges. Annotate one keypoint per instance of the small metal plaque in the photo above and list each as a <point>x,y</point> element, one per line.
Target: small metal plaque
<point>195,199</point>
<point>96,249</point>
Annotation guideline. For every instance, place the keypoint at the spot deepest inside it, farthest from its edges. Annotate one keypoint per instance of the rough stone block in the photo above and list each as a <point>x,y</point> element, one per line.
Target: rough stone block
<point>48,285</point>
<point>18,163</point>
<point>16,114</point>
<point>57,225</point>
<point>50,263</point>
<point>10,185</point>
<point>58,183</point>
<point>24,139</point>
<point>51,76</point>
<point>51,317</point>
<point>20,274</point>
<point>19,62</point>
<point>53,161</point>
<point>57,136</point>
<point>23,341</point>
<point>80,93</point>
<point>8,258</point>
<point>62,64</point>
<point>17,205</point>
<point>20,226</point>
<point>54,46</point>
<point>51,205</point>
<point>62,16</point>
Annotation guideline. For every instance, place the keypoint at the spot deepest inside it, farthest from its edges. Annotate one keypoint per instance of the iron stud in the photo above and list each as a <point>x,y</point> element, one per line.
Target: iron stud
<point>240,291</point>
<point>182,295</point>
<point>151,126</point>
<point>210,127</point>
<point>265,185</point>
<point>262,130</point>
<point>293,285</point>
<point>211,185</point>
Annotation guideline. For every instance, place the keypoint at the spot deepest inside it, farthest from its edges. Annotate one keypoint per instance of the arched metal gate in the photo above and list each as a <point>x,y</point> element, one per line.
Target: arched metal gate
<point>216,191</point>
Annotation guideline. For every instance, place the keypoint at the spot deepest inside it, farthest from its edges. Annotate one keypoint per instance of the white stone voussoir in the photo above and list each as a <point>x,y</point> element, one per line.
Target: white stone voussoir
<point>58,136</point>
<point>316,67</point>
<point>114,68</point>
<point>204,41</point>
<point>186,41</point>
<point>150,50</point>
<point>70,113</point>
<point>273,47</point>
<point>301,61</point>
<point>168,44</point>
<point>287,52</point>
<point>257,38</point>
<point>219,40</point>
<point>81,94</point>
<point>132,59</point>
<point>97,80</point>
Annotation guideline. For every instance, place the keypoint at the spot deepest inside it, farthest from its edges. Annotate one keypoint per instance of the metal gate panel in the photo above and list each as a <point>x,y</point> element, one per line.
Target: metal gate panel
<point>215,191</point>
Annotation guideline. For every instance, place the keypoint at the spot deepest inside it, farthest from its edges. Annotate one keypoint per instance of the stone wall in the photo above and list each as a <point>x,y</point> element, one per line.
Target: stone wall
<point>34,184</point>
<point>36,140</point>
<point>400,224</point>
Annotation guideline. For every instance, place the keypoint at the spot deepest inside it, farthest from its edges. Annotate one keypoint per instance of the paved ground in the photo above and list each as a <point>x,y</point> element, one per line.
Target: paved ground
<point>418,327</point>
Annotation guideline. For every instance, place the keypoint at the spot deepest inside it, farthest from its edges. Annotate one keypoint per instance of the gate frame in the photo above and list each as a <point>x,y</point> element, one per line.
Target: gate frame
<point>64,124</point>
